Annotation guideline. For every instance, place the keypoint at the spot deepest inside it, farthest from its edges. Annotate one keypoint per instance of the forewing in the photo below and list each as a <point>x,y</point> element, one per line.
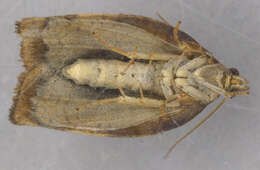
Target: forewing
<point>73,35</point>
<point>113,119</point>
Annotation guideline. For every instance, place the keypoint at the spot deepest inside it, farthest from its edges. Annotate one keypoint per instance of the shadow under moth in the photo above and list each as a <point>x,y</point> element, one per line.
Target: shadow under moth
<point>115,75</point>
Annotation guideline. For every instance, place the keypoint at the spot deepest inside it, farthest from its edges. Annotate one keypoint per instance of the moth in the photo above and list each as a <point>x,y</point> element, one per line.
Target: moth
<point>115,75</point>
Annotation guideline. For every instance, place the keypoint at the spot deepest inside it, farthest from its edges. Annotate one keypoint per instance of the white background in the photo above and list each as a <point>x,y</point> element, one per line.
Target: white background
<point>230,140</point>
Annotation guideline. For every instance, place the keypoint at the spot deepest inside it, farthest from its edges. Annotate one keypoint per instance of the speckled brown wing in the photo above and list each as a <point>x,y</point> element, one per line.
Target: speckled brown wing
<point>45,98</point>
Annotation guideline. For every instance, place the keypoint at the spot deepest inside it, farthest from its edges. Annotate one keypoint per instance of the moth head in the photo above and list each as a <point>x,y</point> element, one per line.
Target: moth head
<point>233,83</point>
<point>224,81</point>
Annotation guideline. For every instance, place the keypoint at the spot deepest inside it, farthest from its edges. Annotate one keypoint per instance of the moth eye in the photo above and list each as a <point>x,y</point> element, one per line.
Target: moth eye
<point>234,71</point>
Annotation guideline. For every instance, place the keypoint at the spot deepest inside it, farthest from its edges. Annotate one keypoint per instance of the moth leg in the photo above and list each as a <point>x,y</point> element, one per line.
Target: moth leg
<point>184,70</point>
<point>144,101</point>
<point>117,50</point>
<point>177,64</point>
<point>106,101</point>
<point>185,50</point>
<point>136,57</point>
<point>128,65</point>
<point>175,71</point>
<point>175,33</point>
<point>100,102</point>
<point>193,48</point>
<point>187,47</point>
<point>130,62</point>
<point>122,92</point>
<point>132,56</point>
<point>124,96</point>
<point>192,91</point>
<point>195,63</point>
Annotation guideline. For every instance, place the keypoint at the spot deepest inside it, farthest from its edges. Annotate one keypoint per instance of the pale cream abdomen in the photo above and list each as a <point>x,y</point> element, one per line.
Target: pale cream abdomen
<point>110,74</point>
